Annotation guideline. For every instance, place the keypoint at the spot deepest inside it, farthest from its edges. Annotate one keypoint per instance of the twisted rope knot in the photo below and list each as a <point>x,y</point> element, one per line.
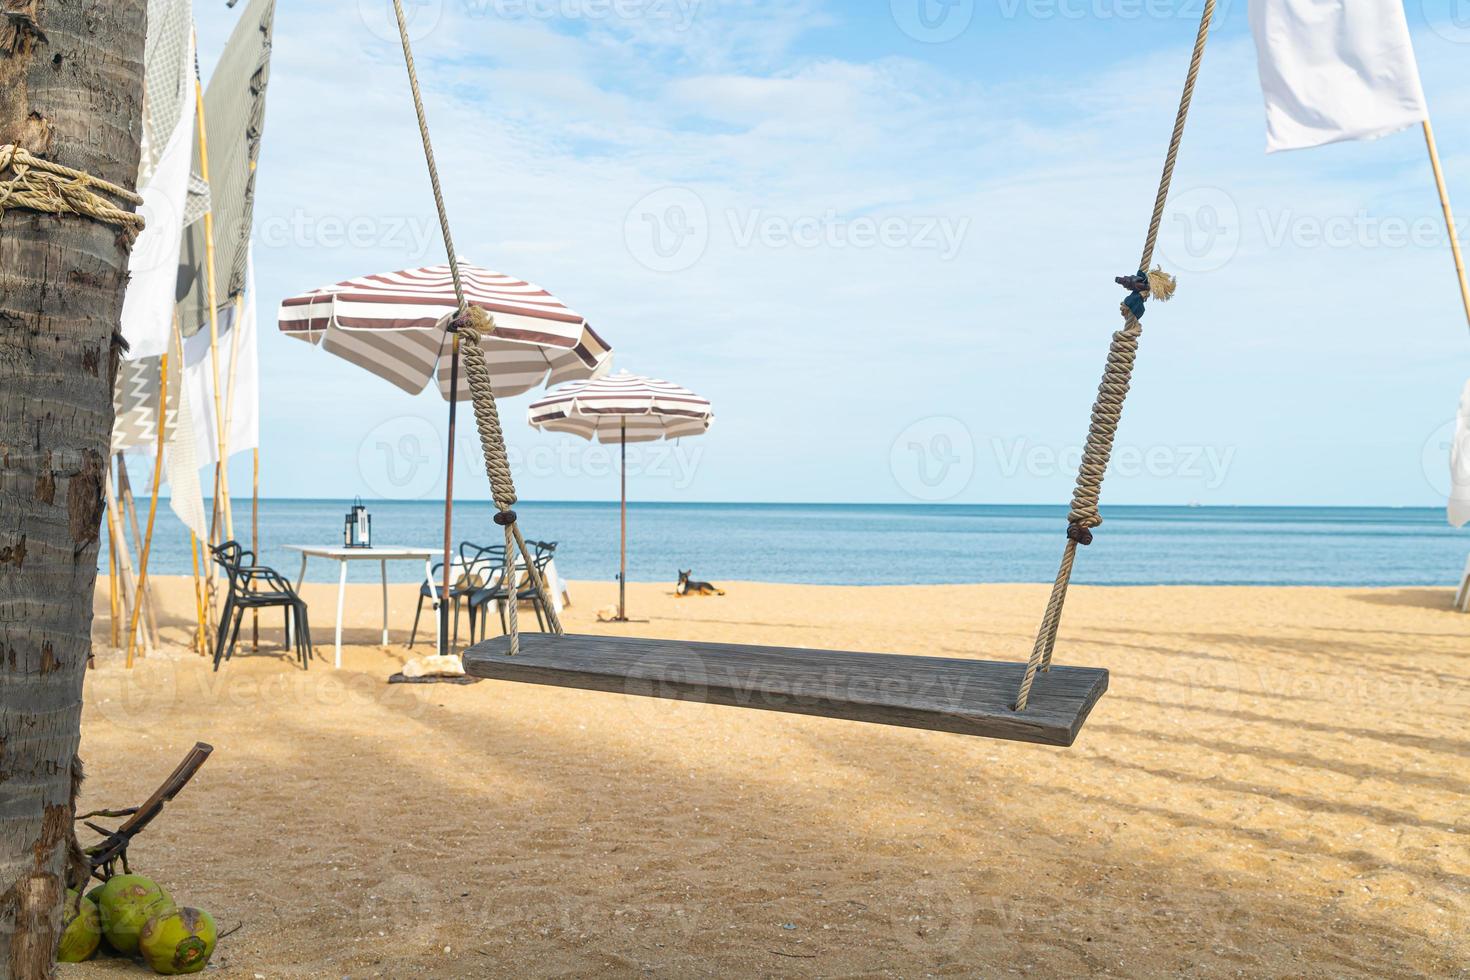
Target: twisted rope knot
<point>50,188</point>
<point>472,324</point>
<point>1107,412</point>
<point>1148,284</point>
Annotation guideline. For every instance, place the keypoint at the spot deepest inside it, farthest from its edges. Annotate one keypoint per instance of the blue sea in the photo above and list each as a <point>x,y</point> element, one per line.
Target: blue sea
<point>885,544</point>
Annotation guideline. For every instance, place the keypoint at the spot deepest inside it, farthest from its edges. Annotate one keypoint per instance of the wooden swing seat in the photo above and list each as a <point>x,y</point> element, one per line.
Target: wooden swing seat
<point>967,697</point>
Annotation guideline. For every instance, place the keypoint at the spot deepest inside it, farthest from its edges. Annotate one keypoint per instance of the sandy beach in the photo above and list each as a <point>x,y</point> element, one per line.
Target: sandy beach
<point>1274,785</point>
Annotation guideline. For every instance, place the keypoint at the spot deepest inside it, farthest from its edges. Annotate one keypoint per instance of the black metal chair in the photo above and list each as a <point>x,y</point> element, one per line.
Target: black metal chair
<point>526,590</point>
<point>253,586</point>
<point>477,565</point>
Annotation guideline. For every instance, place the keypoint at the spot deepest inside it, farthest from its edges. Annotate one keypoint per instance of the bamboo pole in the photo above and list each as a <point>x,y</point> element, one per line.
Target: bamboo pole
<point>130,513</point>
<point>220,499</point>
<point>225,445</point>
<point>201,632</point>
<point>1449,216</point>
<point>140,590</point>
<point>119,546</point>
<point>112,602</point>
<point>221,469</point>
<point>152,504</point>
<point>202,585</point>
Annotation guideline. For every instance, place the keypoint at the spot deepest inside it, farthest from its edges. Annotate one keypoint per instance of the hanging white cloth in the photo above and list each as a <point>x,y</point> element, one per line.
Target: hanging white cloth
<point>239,378</point>
<point>1459,505</point>
<point>1334,70</point>
<point>164,171</point>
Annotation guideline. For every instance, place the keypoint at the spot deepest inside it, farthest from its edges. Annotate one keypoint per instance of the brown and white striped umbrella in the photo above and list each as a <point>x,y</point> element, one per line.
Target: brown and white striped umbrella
<point>394,324</point>
<point>621,408</point>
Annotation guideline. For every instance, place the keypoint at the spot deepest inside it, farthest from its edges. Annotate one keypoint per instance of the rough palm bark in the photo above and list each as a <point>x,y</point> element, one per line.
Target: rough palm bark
<point>71,88</point>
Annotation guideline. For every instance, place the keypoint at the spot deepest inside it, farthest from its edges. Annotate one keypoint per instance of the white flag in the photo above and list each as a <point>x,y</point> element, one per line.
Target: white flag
<point>1335,70</point>
<point>1460,465</point>
<point>239,394</point>
<point>153,267</point>
<point>185,497</point>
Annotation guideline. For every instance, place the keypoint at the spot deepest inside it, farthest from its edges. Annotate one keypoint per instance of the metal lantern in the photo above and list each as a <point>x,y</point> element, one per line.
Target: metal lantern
<point>357,529</point>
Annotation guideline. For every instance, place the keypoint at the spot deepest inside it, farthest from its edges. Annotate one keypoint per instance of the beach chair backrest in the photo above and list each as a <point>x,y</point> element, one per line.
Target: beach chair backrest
<point>230,556</point>
<point>478,565</point>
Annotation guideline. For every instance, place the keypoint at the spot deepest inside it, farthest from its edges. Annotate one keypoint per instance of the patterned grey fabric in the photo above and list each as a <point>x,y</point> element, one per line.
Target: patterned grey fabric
<point>197,203</point>
<point>135,399</point>
<point>234,109</point>
<point>167,76</point>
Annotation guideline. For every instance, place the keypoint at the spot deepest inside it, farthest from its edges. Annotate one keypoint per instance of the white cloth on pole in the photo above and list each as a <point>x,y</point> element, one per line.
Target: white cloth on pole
<point>1459,505</point>
<point>185,495</point>
<point>1334,70</point>
<point>242,409</point>
<point>153,266</point>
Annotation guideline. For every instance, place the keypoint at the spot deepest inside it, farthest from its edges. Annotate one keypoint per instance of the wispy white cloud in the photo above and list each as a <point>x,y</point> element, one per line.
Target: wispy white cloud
<point>907,237</point>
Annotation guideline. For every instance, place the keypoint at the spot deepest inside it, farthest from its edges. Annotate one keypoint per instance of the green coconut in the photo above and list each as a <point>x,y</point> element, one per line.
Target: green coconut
<point>82,930</point>
<point>178,941</point>
<point>127,902</point>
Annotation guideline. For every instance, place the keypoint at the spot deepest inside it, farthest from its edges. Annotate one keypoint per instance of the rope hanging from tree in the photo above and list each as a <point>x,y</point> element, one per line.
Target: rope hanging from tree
<point>41,185</point>
<point>1107,410</point>
<point>470,324</point>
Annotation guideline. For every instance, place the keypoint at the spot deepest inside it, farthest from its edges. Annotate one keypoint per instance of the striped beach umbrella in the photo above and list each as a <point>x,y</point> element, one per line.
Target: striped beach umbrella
<point>394,325</point>
<point>619,409</point>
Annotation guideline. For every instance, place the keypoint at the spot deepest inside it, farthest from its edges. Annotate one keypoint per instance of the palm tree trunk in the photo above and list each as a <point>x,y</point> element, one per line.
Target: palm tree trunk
<point>72,75</point>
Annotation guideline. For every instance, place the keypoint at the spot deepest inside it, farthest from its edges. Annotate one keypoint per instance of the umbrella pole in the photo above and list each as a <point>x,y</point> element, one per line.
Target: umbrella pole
<point>623,518</point>
<point>449,496</point>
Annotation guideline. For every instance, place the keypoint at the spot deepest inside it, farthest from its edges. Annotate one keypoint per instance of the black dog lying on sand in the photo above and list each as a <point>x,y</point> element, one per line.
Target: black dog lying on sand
<point>687,586</point>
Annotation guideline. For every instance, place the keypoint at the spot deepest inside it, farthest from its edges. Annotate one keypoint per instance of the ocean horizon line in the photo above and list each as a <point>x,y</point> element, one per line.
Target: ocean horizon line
<point>888,543</point>
<point>949,504</point>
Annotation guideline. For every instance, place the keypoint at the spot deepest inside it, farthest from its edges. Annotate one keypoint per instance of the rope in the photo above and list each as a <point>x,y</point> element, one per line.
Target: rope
<point>50,188</point>
<point>472,322</point>
<point>471,325</point>
<point>1107,410</point>
<point>418,108</point>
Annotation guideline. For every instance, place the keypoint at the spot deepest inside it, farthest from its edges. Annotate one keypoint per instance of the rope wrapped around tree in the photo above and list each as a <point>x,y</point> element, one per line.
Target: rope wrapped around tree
<point>1107,410</point>
<point>41,185</point>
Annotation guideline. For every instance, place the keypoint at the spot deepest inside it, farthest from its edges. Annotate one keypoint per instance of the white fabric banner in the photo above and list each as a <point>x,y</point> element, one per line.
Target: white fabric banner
<point>1334,70</point>
<point>153,267</point>
<point>239,381</point>
<point>185,497</point>
<point>1459,508</point>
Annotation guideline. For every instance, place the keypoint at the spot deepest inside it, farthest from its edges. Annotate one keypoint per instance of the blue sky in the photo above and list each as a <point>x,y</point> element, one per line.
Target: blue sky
<point>885,246</point>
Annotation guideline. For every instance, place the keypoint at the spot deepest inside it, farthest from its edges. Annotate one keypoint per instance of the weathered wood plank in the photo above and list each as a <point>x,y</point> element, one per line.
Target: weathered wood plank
<point>968,697</point>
